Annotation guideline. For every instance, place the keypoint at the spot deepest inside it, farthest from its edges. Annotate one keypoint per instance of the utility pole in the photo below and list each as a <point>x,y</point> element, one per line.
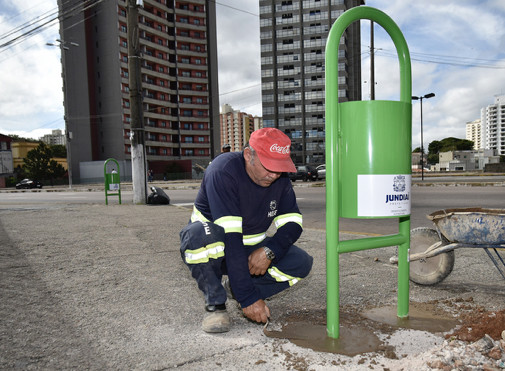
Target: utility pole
<point>137,134</point>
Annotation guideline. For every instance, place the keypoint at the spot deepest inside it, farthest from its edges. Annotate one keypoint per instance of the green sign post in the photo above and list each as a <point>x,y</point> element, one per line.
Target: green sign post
<point>368,163</point>
<point>112,179</point>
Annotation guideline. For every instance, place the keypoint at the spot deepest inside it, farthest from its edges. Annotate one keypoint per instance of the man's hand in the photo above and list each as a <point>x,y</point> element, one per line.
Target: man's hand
<point>258,262</point>
<point>257,311</point>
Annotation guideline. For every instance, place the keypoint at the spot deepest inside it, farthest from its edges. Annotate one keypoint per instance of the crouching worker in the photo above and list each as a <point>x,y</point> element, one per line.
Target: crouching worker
<point>241,194</point>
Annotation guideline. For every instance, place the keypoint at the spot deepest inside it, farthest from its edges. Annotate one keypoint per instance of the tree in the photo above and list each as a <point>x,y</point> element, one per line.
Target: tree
<point>446,145</point>
<point>59,150</point>
<point>40,165</point>
<point>417,150</point>
<point>17,138</point>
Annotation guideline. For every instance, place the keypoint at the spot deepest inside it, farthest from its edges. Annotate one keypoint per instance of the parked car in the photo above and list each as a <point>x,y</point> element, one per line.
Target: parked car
<point>321,171</point>
<point>28,184</point>
<point>304,172</point>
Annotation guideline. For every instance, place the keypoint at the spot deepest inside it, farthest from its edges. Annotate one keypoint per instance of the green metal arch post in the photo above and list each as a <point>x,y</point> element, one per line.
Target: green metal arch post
<point>335,182</point>
<point>112,181</point>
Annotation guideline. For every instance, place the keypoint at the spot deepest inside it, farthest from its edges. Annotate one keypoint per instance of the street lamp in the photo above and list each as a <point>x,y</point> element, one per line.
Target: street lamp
<point>427,96</point>
<point>68,135</point>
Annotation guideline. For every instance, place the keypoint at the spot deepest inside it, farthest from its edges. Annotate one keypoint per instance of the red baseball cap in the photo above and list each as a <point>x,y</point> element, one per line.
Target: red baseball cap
<point>273,149</point>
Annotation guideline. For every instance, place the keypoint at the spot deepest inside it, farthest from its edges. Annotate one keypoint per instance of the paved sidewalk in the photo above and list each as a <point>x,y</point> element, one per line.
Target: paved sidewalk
<point>100,287</point>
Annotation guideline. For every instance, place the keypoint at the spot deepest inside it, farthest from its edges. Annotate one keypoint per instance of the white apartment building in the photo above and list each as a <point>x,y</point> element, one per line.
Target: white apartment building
<point>493,126</point>
<point>465,160</point>
<point>55,138</point>
<point>473,133</point>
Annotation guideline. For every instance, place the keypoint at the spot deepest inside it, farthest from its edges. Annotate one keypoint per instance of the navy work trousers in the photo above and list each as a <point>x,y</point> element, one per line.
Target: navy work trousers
<point>202,249</point>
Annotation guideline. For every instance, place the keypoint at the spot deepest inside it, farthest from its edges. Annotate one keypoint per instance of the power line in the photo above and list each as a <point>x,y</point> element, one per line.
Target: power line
<point>445,59</point>
<point>237,9</point>
<point>37,28</point>
<point>241,89</point>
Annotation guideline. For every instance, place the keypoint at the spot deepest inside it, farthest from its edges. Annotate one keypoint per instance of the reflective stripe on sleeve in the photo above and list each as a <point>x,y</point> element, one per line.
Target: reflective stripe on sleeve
<point>253,239</point>
<point>230,224</point>
<point>286,218</point>
<point>197,216</point>
<point>203,254</point>
<point>282,277</point>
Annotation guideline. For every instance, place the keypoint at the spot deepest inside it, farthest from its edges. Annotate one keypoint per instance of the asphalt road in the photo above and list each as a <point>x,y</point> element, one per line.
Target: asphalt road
<point>311,200</point>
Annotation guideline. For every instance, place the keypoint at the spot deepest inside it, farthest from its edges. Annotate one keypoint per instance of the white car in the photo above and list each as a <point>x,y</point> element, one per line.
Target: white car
<point>321,171</point>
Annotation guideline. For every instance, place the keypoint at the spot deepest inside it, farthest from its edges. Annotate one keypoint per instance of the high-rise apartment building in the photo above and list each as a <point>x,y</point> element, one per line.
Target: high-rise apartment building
<point>493,125</point>
<point>293,39</point>
<point>473,133</point>
<point>178,80</point>
<point>55,138</point>
<point>236,127</point>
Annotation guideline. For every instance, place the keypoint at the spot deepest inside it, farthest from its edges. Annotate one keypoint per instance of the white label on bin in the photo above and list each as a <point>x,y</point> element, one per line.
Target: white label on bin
<point>384,195</point>
<point>114,187</point>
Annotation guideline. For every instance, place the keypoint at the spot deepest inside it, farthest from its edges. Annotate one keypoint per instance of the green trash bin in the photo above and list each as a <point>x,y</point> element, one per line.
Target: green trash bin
<point>112,179</point>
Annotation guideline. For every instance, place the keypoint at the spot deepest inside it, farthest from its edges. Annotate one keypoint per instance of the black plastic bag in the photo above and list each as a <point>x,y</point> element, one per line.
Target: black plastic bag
<point>158,197</point>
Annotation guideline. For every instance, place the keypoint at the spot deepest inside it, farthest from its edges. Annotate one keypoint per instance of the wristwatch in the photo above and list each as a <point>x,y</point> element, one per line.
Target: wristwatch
<point>270,253</point>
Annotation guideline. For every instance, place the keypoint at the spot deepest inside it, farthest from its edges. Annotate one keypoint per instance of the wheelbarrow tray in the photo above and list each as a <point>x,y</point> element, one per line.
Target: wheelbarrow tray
<point>474,226</point>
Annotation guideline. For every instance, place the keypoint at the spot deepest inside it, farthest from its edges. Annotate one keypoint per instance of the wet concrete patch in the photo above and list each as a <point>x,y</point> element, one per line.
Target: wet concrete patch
<point>361,331</point>
<point>422,317</point>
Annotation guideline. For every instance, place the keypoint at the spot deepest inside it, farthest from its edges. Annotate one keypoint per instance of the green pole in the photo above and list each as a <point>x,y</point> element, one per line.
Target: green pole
<point>402,307</point>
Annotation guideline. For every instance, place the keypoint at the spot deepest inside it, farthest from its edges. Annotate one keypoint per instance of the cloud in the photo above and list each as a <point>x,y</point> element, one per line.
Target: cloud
<point>239,55</point>
<point>450,43</point>
<point>32,97</point>
<point>444,38</point>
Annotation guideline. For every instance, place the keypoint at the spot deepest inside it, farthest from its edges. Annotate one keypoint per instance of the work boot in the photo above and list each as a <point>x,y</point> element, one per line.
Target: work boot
<point>217,319</point>
<point>225,281</point>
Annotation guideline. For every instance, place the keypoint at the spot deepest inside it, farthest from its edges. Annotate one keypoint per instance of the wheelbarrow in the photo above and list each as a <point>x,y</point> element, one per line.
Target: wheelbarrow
<point>432,250</point>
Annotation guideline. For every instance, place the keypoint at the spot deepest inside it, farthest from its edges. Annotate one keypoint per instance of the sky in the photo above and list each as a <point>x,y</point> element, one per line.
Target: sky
<point>457,49</point>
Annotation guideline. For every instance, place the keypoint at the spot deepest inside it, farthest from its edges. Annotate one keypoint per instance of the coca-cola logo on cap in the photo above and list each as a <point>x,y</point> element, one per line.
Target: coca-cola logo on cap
<point>279,149</point>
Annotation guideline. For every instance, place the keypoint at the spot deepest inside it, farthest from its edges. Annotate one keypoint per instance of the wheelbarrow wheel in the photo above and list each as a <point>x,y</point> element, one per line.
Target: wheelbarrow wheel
<point>432,270</point>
